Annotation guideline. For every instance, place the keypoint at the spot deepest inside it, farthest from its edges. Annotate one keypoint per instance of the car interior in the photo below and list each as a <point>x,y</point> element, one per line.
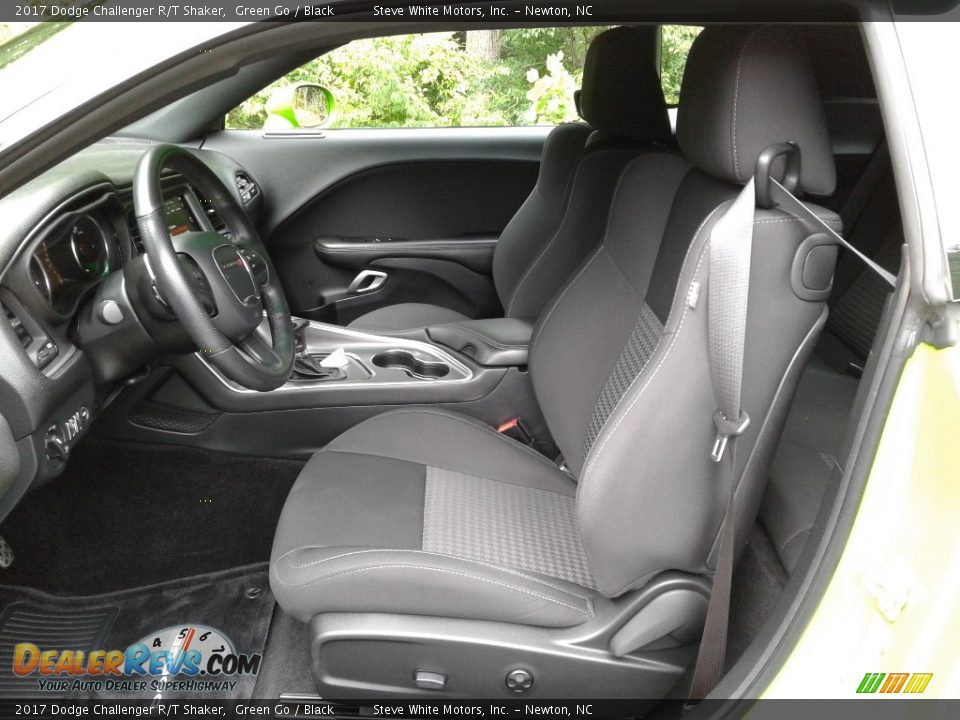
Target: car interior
<point>434,411</point>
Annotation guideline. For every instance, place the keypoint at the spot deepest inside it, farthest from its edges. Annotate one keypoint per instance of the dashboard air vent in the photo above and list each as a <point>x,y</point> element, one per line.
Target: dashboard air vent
<point>247,187</point>
<point>113,140</point>
<point>17,326</point>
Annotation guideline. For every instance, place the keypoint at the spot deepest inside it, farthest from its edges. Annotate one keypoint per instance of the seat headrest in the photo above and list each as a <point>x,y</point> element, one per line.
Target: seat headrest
<point>621,94</point>
<point>744,89</point>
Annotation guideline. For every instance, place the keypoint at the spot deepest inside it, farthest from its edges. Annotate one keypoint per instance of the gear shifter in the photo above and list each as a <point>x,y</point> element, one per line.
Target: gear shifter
<point>300,326</point>
<point>313,367</point>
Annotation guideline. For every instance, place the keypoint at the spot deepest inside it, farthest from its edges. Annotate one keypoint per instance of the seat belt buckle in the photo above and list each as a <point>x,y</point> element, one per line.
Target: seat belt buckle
<point>513,428</point>
<point>726,429</point>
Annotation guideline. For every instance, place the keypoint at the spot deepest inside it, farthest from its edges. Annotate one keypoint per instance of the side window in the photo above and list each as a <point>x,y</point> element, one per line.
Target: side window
<point>675,42</point>
<point>494,78</point>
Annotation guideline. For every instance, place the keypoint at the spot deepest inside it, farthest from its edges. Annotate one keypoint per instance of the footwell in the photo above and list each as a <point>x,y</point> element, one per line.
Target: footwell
<point>199,637</point>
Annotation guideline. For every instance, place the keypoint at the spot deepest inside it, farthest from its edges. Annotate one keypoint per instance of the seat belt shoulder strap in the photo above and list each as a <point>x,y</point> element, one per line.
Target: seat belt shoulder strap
<point>731,243</point>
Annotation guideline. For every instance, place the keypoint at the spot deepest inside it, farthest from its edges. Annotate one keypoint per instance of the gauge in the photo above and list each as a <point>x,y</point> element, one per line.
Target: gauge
<point>89,247</point>
<point>66,264</point>
<point>39,277</point>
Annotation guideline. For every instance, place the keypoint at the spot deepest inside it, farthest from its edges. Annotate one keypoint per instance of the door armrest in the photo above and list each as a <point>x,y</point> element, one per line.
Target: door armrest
<point>475,253</point>
<point>494,342</point>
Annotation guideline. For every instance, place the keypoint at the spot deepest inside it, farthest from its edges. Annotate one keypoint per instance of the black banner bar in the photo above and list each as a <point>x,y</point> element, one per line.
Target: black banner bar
<point>506,11</point>
<point>306,709</point>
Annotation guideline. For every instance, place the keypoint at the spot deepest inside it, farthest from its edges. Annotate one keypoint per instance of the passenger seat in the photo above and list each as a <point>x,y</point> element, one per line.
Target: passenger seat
<point>423,539</point>
<point>562,219</point>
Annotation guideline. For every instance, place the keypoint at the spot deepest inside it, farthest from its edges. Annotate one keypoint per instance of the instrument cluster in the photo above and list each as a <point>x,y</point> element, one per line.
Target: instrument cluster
<point>79,251</point>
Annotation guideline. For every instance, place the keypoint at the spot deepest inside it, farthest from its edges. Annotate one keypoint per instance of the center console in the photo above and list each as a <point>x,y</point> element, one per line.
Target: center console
<point>337,366</point>
<point>342,376</point>
<point>329,354</point>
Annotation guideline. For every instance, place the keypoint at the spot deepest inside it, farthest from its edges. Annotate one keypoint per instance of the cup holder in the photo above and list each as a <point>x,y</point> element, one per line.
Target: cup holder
<point>412,366</point>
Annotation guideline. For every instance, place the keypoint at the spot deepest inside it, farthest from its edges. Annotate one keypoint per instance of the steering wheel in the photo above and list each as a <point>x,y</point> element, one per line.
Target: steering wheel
<point>217,287</point>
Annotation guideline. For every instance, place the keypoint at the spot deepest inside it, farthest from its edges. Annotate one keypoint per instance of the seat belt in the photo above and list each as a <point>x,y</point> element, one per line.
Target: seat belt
<point>731,244</point>
<point>866,185</point>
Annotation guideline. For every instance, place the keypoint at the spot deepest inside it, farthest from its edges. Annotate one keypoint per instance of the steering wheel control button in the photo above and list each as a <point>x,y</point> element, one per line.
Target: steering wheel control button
<point>57,448</point>
<point>199,282</point>
<point>237,274</point>
<point>257,265</point>
<point>519,680</point>
<point>47,352</point>
<point>427,680</point>
<point>110,312</point>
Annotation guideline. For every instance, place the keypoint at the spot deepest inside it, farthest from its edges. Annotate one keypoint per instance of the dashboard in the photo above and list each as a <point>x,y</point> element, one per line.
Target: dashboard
<point>69,245</point>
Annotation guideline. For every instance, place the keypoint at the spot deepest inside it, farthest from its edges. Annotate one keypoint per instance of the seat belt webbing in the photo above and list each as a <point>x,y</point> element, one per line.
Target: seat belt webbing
<point>788,202</point>
<point>731,242</point>
<point>865,187</point>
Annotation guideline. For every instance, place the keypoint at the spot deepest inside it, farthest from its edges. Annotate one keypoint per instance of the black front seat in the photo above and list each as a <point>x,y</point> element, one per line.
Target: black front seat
<point>421,541</point>
<point>623,103</point>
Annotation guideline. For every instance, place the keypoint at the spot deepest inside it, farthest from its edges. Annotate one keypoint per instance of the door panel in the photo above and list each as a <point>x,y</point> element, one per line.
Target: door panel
<point>396,201</point>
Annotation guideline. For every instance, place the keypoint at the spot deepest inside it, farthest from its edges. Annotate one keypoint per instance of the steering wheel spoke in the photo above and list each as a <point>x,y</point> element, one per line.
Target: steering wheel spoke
<point>259,267</point>
<point>258,350</point>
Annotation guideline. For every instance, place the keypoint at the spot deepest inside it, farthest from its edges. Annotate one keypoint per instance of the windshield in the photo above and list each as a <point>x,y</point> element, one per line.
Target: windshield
<point>47,69</point>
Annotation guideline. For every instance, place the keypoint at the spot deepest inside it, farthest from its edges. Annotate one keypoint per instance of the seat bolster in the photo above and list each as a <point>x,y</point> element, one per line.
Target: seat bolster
<point>357,579</point>
<point>406,316</point>
<point>455,442</point>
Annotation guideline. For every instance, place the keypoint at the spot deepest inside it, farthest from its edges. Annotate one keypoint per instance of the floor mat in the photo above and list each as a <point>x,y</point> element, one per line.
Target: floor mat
<point>286,660</point>
<point>757,585</point>
<point>126,515</point>
<point>225,614</point>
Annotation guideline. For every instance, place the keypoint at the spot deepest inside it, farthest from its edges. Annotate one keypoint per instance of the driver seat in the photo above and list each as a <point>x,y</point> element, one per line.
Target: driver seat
<point>431,554</point>
<point>553,231</point>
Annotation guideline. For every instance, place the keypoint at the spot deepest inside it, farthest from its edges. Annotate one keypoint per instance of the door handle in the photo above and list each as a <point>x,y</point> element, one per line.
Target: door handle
<point>367,281</point>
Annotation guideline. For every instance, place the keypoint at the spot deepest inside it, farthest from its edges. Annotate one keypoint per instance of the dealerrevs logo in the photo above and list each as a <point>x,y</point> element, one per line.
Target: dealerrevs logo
<point>191,658</point>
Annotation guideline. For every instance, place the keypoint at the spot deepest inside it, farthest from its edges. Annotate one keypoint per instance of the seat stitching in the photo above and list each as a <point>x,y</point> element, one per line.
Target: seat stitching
<point>621,415</point>
<point>570,284</point>
<point>736,96</point>
<point>543,250</point>
<point>509,571</point>
<point>567,197</point>
<point>358,451</point>
<point>438,466</point>
<point>793,218</point>
<point>603,242</point>
<point>478,425</point>
<point>585,611</point>
<point>566,215</point>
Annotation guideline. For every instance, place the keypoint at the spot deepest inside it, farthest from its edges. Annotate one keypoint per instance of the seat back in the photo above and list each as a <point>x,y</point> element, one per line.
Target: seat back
<point>562,219</point>
<point>620,358</point>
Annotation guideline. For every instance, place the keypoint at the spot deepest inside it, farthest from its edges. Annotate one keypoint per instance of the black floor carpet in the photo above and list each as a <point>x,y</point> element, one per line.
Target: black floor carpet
<point>236,604</point>
<point>125,515</point>
<point>286,660</point>
<point>757,585</point>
